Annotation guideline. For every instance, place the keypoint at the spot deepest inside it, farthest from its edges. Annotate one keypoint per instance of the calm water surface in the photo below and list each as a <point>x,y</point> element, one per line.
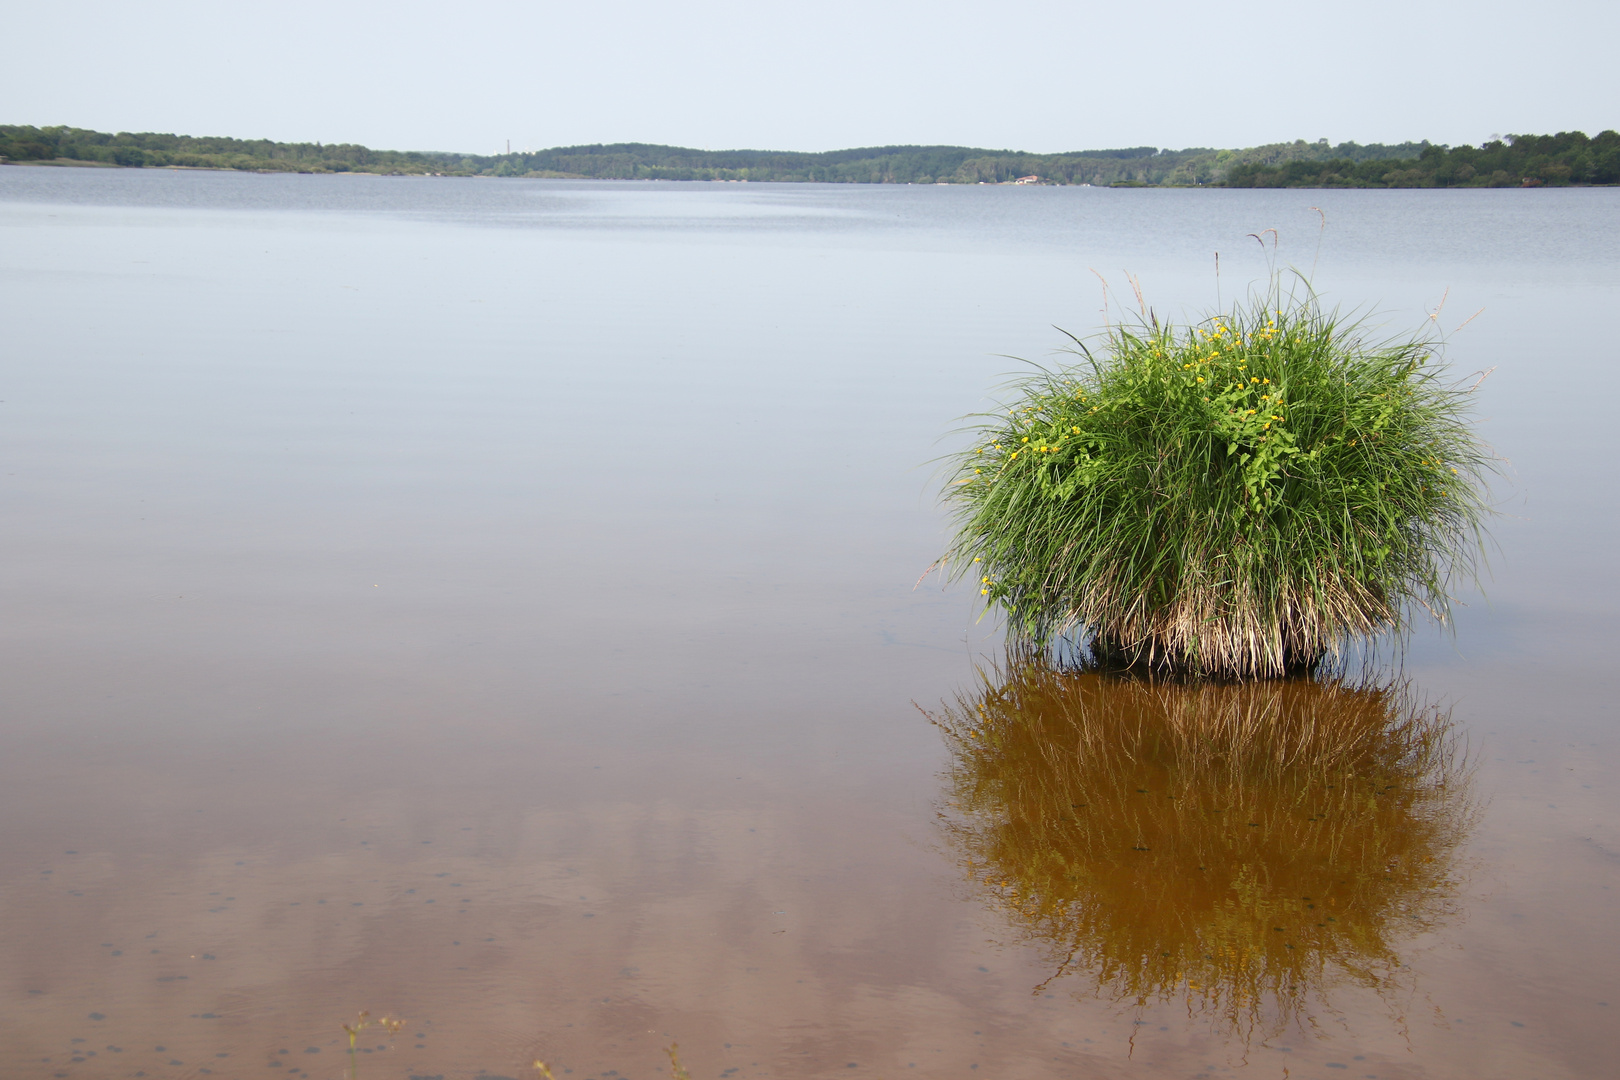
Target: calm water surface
<point>492,603</point>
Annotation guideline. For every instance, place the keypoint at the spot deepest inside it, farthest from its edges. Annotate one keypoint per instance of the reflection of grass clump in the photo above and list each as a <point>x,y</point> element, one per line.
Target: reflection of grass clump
<point>1235,498</point>
<point>1239,845</point>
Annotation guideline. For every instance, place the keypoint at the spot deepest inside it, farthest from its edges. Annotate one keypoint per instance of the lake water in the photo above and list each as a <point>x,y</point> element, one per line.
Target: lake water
<point>493,603</point>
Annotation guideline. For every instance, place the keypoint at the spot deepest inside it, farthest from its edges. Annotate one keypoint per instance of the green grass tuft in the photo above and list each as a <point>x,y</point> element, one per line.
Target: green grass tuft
<point>1238,498</point>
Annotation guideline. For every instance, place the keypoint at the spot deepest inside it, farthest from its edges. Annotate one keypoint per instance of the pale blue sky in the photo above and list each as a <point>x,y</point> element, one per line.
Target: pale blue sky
<point>1039,75</point>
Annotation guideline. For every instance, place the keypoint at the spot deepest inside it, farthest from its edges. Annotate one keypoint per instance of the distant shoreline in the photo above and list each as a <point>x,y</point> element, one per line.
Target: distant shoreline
<point>64,163</point>
<point>1567,159</point>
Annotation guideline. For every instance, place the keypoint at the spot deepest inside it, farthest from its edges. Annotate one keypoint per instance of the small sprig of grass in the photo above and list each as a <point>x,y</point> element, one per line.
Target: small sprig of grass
<point>361,1022</point>
<point>1234,498</point>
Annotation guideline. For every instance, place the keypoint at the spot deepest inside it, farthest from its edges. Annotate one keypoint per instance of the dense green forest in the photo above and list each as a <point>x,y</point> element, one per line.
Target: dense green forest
<point>208,152</point>
<point>1516,161</point>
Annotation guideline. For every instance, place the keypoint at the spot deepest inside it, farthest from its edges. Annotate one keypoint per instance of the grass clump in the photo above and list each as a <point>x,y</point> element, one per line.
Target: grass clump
<point>1234,498</point>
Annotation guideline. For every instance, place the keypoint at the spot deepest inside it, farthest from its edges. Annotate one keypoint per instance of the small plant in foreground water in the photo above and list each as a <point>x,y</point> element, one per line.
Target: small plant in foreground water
<point>1236,498</point>
<point>361,1022</point>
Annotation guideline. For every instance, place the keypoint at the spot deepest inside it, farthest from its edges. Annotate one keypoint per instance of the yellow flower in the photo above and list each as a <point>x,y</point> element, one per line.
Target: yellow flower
<point>1268,382</point>
<point>1026,438</point>
<point>1200,378</point>
<point>984,581</point>
<point>984,592</point>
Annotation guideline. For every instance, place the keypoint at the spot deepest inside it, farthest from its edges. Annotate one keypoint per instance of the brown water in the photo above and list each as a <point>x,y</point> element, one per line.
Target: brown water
<point>491,603</point>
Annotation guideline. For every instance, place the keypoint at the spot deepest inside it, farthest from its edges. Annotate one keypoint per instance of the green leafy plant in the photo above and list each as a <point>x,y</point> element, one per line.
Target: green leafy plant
<point>1235,498</point>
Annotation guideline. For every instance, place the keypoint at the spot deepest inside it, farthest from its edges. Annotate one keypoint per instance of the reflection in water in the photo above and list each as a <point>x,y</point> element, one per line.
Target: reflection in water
<point>1239,847</point>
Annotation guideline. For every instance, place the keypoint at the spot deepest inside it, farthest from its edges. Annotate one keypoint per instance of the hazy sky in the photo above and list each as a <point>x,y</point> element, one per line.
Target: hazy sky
<point>1038,75</point>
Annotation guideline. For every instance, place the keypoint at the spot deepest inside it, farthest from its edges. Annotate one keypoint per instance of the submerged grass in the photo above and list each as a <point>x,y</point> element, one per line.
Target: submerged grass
<point>1239,847</point>
<point>1234,498</point>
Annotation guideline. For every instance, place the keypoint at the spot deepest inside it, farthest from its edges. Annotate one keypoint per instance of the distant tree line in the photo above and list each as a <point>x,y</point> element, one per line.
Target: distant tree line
<point>1568,157</point>
<point>1518,160</point>
<point>868,165</point>
<point>216,152</point>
